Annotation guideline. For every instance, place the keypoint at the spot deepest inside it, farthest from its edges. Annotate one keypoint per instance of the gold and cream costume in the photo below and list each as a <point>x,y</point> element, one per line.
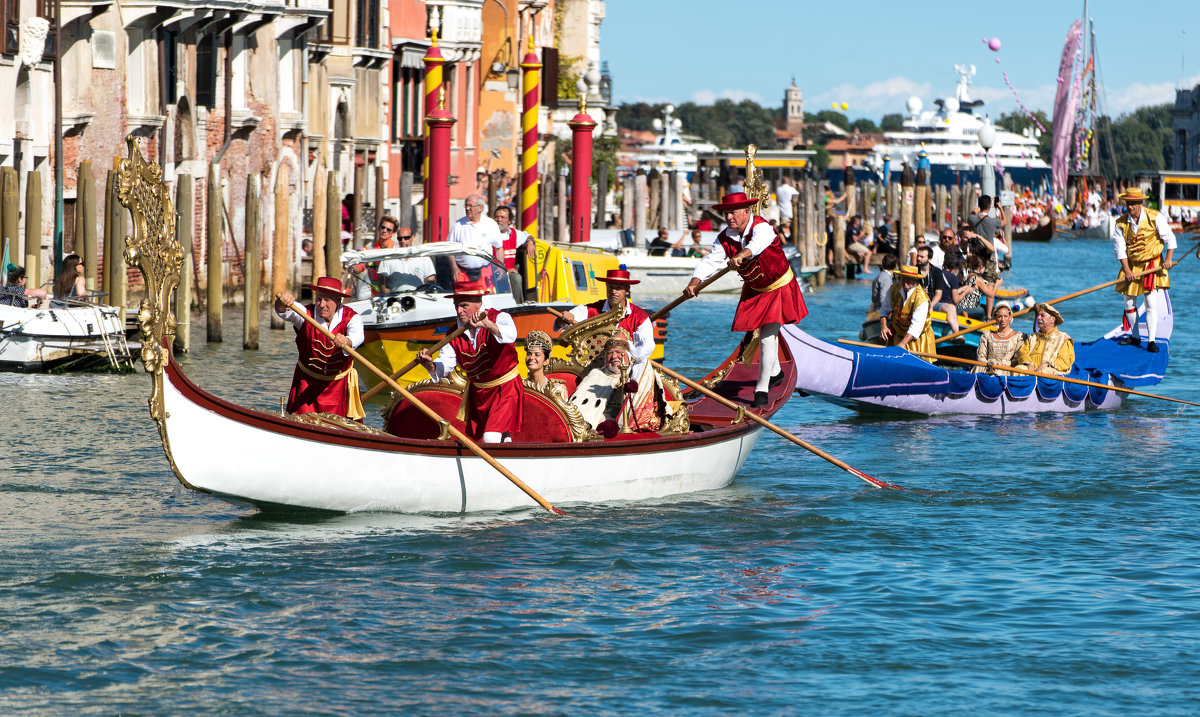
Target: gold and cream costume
<point>912,317</point>
<point>1001,352</point>
<point>1055,348</point>
<point>1142,244</point>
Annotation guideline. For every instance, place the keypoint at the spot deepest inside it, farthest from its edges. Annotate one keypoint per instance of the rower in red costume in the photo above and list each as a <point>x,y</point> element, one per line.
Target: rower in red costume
<point>770,295</point>
<point>324,379</point>
<point>636,323</point>
<point>485,354</point>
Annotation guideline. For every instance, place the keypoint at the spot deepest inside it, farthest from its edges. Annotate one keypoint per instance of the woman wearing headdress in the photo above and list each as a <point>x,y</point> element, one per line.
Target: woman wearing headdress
<point>538,345</point>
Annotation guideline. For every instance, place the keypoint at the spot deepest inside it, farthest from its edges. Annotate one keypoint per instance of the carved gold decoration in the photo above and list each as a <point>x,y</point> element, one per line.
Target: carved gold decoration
<point>586,340</point>
<point>756,186</point>
<point>154,250</point>
<point>680,421</point>
<point>332,420</point>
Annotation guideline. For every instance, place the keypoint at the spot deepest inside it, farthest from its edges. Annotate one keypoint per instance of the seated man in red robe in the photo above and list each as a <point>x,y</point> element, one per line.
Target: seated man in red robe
<point>636,324</point>
<point>324,379</point>
<point>770,295</point>
<point>485,354</point>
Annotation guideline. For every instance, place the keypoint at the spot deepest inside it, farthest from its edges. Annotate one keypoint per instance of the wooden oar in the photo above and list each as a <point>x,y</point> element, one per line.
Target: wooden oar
<point>682,298</point>
<point>776,429</point>
<point>1074,295</point>
<point>462,438</point>
<point>1027,372</point>
<point>412,364</point>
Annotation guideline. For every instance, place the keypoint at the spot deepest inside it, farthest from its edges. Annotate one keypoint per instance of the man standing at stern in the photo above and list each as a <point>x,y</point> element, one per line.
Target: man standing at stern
<point>770,295</point>
<point>1139,239</point>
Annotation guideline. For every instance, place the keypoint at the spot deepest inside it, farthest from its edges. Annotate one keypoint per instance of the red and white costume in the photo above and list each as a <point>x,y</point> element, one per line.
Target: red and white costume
<point>324,379</point>
<point>770,293</point>
<point>636,323</point>
<point>513,239</point>
<point>493,401</point>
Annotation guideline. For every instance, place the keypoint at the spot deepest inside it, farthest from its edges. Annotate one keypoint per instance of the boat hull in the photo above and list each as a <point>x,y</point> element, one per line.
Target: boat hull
<point>33,340</point>
<point>286,463</point>
<point>826,372</point>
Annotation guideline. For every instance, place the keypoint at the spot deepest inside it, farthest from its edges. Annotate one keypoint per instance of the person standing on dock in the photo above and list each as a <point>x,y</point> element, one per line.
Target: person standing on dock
<point>904,319</point>
<point>1139,239</point>
<point>324,380</point>
<point>491,407</point>
<point>636,321</point>
<point>770,295</point>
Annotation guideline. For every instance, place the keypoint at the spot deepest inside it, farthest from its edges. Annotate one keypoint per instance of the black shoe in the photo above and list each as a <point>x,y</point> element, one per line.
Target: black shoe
<point>1130,340</point>
<point>760,399</point>
<point>776,380</point>
<point>1152,347</point>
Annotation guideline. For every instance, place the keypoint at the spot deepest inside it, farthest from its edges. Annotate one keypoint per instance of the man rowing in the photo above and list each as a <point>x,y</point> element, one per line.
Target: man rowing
<point>904,318</point>
<point>635,322</point>
<point>324,379</point>
<point>491,407</point>
<point>770,295</point>
<point>1139,239</point>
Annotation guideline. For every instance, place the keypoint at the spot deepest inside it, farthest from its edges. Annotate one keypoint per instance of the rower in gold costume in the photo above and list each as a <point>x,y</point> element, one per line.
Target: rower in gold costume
<point>1139,239</point>
<point>904,317</point>
<point>1049,350</point>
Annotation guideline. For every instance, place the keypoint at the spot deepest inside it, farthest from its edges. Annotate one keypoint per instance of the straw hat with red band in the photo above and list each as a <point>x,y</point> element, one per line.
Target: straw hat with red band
<point>469,290</point>
<point>736,200</point>
<point>1133,196</point>
<point>618,277</point>
<point>329,285</point>
<point>908,272</point>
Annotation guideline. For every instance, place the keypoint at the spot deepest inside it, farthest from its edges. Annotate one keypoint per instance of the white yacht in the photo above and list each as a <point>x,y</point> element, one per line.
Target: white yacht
<point>670,149</point>
<point>949,134</point>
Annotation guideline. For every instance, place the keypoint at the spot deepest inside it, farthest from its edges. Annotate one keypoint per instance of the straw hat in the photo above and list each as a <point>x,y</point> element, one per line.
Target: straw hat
<point>908,272</point>
<point>1133,196</point>
<point>1039,308</point>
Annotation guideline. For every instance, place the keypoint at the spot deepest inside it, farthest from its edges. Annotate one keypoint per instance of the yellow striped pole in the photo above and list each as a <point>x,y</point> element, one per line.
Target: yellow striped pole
<point>529,143</point>
<point>433,86</point>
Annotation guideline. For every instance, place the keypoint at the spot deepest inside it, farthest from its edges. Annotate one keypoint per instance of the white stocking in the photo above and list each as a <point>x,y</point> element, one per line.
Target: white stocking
<point>768,357</point>
<point>1151,304</point>
<point>492,436</point>
<point>1131,315</point>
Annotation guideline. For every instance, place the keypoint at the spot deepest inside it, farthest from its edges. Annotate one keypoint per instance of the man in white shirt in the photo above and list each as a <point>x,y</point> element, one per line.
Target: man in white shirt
<point>1140,238</point>
<point>476,230</point>
<point>403,274</point>
<point>783,197</point>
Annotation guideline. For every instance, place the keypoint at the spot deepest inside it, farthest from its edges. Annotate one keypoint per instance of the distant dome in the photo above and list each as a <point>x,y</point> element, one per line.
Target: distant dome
<point>914,105</point>
<point>951,105</point>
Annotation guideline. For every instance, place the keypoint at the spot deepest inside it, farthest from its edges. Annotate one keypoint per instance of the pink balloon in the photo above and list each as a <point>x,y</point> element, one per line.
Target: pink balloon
<point>997,60</point>
<point>994,44</point>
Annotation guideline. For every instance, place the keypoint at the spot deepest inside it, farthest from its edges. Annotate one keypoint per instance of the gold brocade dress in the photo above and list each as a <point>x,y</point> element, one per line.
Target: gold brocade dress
<point>1055,348</point>
<point>1001,352</point>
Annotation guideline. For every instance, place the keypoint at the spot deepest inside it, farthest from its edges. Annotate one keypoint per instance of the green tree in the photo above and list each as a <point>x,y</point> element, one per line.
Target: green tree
<point>1142,140</point>
<point>821,158</point>
<point>892,122</point>
<point>865,126</point>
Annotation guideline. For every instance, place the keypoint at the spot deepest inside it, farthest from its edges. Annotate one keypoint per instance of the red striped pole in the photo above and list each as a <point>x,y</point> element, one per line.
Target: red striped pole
<point>437,180</point>
<point>529,143</point>
<point>581,171</point>
<point>433,85</point>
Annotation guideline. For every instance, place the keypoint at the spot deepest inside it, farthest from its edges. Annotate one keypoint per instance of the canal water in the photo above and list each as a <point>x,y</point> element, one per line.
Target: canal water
<point>1041,564</point>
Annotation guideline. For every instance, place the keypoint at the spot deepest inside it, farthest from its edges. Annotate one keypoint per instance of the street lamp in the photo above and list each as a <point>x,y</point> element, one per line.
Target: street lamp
<point>987,175</point>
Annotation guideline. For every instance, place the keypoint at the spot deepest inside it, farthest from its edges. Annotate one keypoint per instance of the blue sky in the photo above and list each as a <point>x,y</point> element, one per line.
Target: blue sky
<point>874,54</point>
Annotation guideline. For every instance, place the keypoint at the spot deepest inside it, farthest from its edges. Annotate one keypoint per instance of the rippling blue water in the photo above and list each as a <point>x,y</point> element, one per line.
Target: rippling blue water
<point>1036,565</point>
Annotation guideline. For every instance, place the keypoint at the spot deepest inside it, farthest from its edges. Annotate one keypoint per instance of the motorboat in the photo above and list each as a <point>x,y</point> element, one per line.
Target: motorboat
<point>68,334</point>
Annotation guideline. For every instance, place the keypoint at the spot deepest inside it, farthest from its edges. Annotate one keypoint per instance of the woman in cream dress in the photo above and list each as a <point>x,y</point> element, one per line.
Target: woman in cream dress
<point>999,347</point>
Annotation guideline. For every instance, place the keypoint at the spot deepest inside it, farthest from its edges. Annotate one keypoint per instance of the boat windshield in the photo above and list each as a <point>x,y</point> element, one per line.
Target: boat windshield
<point>388,272</point>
